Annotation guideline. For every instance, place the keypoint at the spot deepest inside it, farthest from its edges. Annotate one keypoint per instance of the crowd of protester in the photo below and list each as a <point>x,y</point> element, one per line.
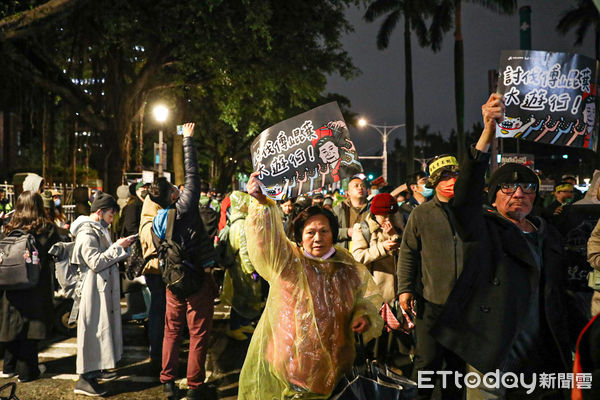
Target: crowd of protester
<point>478,278</point>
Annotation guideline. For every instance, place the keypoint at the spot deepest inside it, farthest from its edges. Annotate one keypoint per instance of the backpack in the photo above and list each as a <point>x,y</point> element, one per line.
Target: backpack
<point>179,274</point>
<point>135,264</point>
<point>66,274</point>
<point>210,219</point>
<point>19,261</point>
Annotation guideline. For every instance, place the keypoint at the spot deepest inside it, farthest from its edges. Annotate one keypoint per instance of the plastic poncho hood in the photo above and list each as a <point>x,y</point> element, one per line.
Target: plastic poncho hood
<point>303,343</point>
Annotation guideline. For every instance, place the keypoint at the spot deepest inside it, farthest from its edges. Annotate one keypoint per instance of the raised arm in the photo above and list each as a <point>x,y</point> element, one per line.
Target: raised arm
<point>190,196</point>
<point>269,249</point>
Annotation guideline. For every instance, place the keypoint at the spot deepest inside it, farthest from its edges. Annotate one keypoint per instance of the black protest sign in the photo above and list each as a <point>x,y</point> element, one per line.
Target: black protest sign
<point>304,153</point>
<point>549,98</point>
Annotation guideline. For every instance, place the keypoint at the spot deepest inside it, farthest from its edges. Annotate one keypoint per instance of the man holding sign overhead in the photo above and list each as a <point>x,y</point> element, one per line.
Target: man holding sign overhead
<point>508,310</point>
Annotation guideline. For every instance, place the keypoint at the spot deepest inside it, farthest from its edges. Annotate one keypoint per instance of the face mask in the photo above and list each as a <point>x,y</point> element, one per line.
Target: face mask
<point>104,223</point>
<point>446,188</point>
<point>57,202</point>
<point>400,203</point>
<point>426,192</point>
<point>374,192</point>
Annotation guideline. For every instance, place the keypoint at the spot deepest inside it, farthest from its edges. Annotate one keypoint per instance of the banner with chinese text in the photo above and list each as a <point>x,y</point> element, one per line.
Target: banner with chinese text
<point>549,98</point>
<point>304,153</point>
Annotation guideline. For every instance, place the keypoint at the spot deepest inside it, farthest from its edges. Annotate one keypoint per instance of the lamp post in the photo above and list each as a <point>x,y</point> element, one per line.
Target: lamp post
<point>384,131</point>
<point>160,115</point>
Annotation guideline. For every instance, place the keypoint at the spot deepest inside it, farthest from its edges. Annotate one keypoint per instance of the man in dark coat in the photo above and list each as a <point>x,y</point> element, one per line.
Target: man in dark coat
<point>508,309</point>
<point>197,309</point>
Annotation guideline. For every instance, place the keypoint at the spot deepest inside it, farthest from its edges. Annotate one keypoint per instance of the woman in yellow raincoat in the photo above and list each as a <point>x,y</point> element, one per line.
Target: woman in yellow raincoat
<point>319,295</point>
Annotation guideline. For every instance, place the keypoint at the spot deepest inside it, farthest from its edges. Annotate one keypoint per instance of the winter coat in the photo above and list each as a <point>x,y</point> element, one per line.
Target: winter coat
<point>188,229</point>
<point>239,289</point>
<point>99,334</point>
<point>303,343</point>
<point>130,217</point>
<point>380,262</point>
<point>431,257</point>
<point>149,210</point>
<point>489,305</point>
<point>342,213</point>
<point>31,309</point>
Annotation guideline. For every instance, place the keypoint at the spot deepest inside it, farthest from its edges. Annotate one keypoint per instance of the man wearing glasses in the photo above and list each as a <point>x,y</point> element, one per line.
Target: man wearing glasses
<point>508,309</point>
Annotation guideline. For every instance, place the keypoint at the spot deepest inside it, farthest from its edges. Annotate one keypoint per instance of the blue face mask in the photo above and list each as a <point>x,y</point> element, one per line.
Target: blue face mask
<point>426,192</point>
<point>400,203</point>
<point>57,202</point>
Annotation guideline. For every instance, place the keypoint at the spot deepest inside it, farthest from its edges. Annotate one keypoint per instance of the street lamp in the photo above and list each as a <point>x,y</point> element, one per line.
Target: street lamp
<point>160,115</point>
<point>384,131</point>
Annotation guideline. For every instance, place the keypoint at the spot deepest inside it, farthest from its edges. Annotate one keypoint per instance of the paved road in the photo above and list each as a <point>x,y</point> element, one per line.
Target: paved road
<point>136,380</point>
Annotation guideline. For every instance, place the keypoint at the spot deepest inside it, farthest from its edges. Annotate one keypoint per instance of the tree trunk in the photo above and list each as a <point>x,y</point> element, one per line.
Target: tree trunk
<point>409,106</point>
<point>459,84</point>
<point>45,139</point>
<point>139,162</point>
<point>179,177</point>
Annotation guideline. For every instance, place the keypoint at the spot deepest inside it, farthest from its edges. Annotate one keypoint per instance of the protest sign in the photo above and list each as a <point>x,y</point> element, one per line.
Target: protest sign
<point>304,153</point>
<point>549,98</point>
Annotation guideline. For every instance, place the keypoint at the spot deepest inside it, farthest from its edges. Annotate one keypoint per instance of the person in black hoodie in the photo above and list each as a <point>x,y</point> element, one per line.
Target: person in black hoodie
<point>26,315</point>
<point>132,212</point>
<point>197,309</point>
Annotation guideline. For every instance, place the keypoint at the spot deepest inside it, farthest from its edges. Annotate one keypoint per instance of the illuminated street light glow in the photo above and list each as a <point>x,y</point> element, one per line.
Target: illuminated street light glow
<point>160,113</point>
<point>362,122</point>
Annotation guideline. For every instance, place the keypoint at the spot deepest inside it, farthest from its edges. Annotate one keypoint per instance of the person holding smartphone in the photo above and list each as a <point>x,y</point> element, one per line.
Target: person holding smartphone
<point>99,334</point>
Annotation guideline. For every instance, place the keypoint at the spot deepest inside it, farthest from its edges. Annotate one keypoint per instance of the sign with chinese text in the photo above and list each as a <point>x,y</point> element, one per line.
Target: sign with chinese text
<point>549,98</point>
<point>304,153</point>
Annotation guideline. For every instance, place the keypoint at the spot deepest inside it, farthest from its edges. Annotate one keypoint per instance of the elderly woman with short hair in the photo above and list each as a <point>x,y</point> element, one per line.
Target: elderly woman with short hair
<point>319,297</point>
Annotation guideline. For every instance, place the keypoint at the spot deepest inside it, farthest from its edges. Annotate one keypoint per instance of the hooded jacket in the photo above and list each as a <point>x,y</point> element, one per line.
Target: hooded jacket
<point>239,289</point>
<point>32,182</point>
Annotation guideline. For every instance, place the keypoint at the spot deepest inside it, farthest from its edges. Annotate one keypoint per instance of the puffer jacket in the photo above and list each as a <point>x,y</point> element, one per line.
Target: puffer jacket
<point>149,210</point>
<point>188,229</point>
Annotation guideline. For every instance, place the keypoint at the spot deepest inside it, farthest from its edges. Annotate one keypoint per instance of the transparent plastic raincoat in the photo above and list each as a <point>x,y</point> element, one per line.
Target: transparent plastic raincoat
<point>239,289</point>
<point>304,342</point>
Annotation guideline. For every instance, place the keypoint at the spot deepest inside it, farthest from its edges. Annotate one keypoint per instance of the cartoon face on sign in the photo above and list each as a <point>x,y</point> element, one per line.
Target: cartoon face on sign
<point>329,153</point>
<point>589,111</point>
<point>510,123</point>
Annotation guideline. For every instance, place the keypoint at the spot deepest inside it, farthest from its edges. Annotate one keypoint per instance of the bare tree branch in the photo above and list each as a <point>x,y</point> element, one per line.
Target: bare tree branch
<point>20,24</point>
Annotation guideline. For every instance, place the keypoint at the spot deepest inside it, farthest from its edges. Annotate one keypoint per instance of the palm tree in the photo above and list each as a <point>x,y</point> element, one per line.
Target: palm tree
<point>448,13</point>
<point>581,18</point>
<point>413,12</point>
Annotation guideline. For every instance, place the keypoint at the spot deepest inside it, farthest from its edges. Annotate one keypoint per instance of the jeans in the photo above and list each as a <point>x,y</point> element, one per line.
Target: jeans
<point>198,310</point>
<point>156,316</point>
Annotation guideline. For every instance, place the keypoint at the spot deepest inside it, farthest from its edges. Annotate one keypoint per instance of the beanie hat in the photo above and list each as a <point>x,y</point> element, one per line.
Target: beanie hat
<point>47,198</point>
<point>438,165</point>
<point>383,203</point>
<point>511,173</point>
<point>104,201</point>
<point>32,182</point>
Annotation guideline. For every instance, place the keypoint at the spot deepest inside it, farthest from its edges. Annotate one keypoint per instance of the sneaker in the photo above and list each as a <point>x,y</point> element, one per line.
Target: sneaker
<point>41,370</point>
<point>236,334</point>
<point>105,375</point>
<point>171,390</point>
<point>247,329</point>
<point>7,374</point>
<point>89,387</point>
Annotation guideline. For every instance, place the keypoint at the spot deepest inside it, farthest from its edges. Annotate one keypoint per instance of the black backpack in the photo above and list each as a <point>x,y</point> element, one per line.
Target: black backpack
<point>178,271</point>
<point>19,261</point>
<point>210,218</point>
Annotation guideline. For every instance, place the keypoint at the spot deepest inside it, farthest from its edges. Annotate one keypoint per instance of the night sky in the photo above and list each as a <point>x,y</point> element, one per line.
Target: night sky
<point>378,92</point>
